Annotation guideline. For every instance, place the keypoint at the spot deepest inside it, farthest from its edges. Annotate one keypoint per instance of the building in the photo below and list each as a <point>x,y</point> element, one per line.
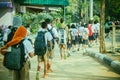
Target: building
<point>9,7</point>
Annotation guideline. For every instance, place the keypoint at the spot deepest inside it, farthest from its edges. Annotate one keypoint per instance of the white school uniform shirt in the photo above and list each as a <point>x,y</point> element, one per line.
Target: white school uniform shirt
<point>48,36</point>
<point>74,32</point>
<point>28,47</point>
<point>54,30</point>
<point>80,30</point>
<point>5,36</point>
<point>86,29</point>
<point>93,28</point>
<point>98,27</point>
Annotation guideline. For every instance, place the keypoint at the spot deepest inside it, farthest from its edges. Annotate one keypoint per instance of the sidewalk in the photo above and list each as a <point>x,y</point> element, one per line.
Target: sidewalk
<point>76,67</point>
<point>104,58</point>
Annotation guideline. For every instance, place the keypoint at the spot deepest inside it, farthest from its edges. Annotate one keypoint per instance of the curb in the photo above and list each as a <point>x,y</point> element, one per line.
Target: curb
<point>102,57</point>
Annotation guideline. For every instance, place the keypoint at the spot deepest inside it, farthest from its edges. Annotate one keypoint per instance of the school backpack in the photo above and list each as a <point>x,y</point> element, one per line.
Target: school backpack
<point>62,36</point>
<point>15,59</point>
<point>40,45</point>
<point>72,33</point>
<point>84,34</point>
<point>11,34</point>
<point>53,42</point>
<point>90,29</point>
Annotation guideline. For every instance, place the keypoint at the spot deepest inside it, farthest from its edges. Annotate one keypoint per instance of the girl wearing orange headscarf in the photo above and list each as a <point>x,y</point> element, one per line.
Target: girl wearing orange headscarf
<point>20,34</point>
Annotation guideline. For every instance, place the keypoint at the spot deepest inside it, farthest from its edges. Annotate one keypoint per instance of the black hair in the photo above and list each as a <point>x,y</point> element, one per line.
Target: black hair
<point>96,21</point>
<point>44,25</point>
<point>90,21</point>
<point>28,25</point>
<point>68,26</point>
<point>73,26</point>
<point>86,25</point>
<point>61,20</point>
<point>9,26</point>
<point>82,24</point>
<point>47,20</point>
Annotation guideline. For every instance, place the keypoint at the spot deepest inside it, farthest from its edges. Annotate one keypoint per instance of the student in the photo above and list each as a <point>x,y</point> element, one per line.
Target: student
<point>90,29</point>
<point>29,32</point>
<point>68,41</point>
<point>97,30</point>
<point>85,38</point>
<point>19,35</point>
<point>7,31</point>
<point>73,33</point>
<point>80,30</point>
<point>54,34</point>
<point>62,39</point>
<point>48,38</point>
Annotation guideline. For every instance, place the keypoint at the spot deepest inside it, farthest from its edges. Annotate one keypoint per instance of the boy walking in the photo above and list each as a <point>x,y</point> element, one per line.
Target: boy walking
<point>47,39</point>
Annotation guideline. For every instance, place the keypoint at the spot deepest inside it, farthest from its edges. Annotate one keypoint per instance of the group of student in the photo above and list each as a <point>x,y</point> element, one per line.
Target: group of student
<point>68,37</point>
<point>83,35</point>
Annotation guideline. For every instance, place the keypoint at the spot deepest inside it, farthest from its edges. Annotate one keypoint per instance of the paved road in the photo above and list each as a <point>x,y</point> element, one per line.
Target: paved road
<point>76,67</point>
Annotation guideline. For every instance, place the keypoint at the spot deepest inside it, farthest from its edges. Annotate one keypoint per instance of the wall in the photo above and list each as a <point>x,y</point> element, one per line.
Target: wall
<point>6,15</point>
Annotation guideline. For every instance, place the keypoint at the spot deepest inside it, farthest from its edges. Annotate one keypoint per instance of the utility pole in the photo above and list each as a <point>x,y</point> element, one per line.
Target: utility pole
<point>91,9</point>
<point>102,18</point>
<point>86,11</point>
<point>113,38</point>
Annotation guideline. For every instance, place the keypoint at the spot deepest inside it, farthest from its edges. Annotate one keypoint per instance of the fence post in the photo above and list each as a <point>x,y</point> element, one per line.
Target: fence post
<point>113,38</point>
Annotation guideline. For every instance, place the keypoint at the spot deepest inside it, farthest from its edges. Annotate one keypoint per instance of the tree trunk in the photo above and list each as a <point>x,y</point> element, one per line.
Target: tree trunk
<point>102,38</point>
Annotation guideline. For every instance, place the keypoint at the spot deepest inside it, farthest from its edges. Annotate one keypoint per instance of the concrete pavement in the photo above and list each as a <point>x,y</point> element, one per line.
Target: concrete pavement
<point>76,67</point>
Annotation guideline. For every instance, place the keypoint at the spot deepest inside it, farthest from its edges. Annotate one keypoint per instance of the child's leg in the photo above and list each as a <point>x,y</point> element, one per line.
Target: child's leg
<point>38,68</point>
<point>65,50</point>
<point>61,51</point>
<point>45,68</point>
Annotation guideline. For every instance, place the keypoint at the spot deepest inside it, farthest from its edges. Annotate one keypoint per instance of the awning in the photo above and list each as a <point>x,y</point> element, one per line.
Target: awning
<point>6,4</point>
<point>43,2</point>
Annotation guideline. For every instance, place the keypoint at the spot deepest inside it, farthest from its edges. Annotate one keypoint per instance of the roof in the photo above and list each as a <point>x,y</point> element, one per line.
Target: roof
<point>6,5</point>
<point>43,2</point>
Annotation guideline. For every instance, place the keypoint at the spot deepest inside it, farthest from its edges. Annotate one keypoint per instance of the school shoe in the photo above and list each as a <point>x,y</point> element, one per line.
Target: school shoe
<point>68,55</point>
<point>78,49</point>
<point>89,46</point>
<point>64,56</point>
<point>37,76</point>
<point>49,71</point>
<point>84,52</point>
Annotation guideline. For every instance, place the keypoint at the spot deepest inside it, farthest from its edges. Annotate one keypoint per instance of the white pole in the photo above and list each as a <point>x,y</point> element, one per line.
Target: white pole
<point>85,12</point>
<point>91,9</point>
<point>64,13</point>
<point>113,38</point>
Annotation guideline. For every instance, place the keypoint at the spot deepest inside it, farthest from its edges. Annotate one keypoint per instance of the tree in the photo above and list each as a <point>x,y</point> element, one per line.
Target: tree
<point>102,18</point>
<point>113,9</point>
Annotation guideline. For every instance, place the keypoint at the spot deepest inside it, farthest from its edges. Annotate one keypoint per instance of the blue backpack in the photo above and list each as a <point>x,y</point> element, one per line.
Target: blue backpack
<point>40,45</point>
<point>15,59</point>
<point>62,37</point>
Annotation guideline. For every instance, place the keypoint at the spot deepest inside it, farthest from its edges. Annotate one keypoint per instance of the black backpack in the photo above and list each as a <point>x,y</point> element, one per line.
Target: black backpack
<point>40,45</point>
<point>15,59</point>
<point>11,34</point>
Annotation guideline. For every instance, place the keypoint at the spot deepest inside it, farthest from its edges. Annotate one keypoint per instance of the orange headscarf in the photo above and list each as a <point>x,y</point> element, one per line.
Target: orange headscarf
<point>20,33</point>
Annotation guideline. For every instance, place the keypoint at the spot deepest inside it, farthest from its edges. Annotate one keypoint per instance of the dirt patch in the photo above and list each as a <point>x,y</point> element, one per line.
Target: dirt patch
<point>115,56</point>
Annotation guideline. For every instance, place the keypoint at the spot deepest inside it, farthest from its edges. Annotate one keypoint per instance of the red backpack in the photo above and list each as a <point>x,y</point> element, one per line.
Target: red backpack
<point>90,30</point>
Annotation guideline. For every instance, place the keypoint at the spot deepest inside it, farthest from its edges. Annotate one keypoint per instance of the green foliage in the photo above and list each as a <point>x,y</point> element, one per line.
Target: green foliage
<point>55,14</point>
<point>113,9</point>
<point>96,18</point>
<point>35,19</point>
